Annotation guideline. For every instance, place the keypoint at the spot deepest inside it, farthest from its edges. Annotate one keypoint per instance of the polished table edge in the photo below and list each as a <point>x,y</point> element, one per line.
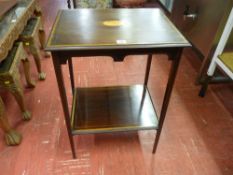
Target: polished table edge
<point>113,45</point>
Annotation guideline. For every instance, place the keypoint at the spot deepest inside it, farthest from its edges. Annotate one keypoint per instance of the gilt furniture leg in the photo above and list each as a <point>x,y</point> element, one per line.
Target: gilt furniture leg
<point>42,35</point>
<point>12,137</point>
<point>38,13</point>
<point>26,66</point>
<point>42,38</point>
<point>16,89</point>
<point>36,54</point>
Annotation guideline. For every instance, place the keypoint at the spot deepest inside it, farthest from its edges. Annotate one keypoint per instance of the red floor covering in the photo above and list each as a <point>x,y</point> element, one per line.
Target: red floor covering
<point>197,137</point>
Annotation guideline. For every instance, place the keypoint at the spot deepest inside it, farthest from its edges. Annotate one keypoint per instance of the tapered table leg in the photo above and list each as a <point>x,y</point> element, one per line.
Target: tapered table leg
<point>61,86</point>
<point>166,99</point>
<point>70,63</point>
<point>148,65</point>
<point>204,86</point>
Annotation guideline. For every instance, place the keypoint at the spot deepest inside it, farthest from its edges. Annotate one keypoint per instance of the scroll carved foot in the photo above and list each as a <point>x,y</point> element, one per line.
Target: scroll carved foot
<point>12,138</point>
<point>27,115</point>
<point>42,76</point>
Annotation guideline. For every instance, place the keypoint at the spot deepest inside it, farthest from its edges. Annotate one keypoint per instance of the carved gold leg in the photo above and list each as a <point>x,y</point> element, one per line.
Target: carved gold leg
<point>16,89</point>
<point>38,13</point>
<point>12,137</point>
<point>42,39</point>
<point>33,46</point>
<point>26,66</point>
<point>42,35</point>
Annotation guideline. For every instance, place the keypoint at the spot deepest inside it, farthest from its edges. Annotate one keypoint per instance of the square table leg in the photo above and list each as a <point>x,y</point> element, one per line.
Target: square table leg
<point>148,65</point>
<point>71,71</point>
<point>171,79</point>
<point>61,86</point>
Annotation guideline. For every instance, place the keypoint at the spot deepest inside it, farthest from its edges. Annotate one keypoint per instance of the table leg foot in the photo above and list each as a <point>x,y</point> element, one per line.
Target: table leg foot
<point>42,76</point>
<point>204,86</point>
<point>46,54</point>
<point>27,115</point>
<point>12,138</point>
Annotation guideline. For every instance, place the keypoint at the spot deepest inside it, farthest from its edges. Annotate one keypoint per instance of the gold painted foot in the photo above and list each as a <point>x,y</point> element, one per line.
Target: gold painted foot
<point>42,76</point>
<point>27,115</point>
<point>46,54</point>
<point>12,138</point>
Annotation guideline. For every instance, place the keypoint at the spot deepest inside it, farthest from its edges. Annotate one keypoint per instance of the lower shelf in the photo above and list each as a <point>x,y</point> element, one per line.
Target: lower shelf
<point>110,109</point>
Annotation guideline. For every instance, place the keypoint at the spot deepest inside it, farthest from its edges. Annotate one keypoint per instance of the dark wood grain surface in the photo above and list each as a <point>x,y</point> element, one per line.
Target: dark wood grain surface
<point>117,108</point>
<point>97,28</point>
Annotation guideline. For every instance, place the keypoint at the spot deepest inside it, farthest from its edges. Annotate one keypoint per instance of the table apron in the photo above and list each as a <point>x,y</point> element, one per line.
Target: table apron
<point>116,54</point>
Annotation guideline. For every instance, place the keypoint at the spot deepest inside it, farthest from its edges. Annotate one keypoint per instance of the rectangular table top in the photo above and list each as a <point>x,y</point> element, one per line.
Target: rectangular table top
<point>82,29</point>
